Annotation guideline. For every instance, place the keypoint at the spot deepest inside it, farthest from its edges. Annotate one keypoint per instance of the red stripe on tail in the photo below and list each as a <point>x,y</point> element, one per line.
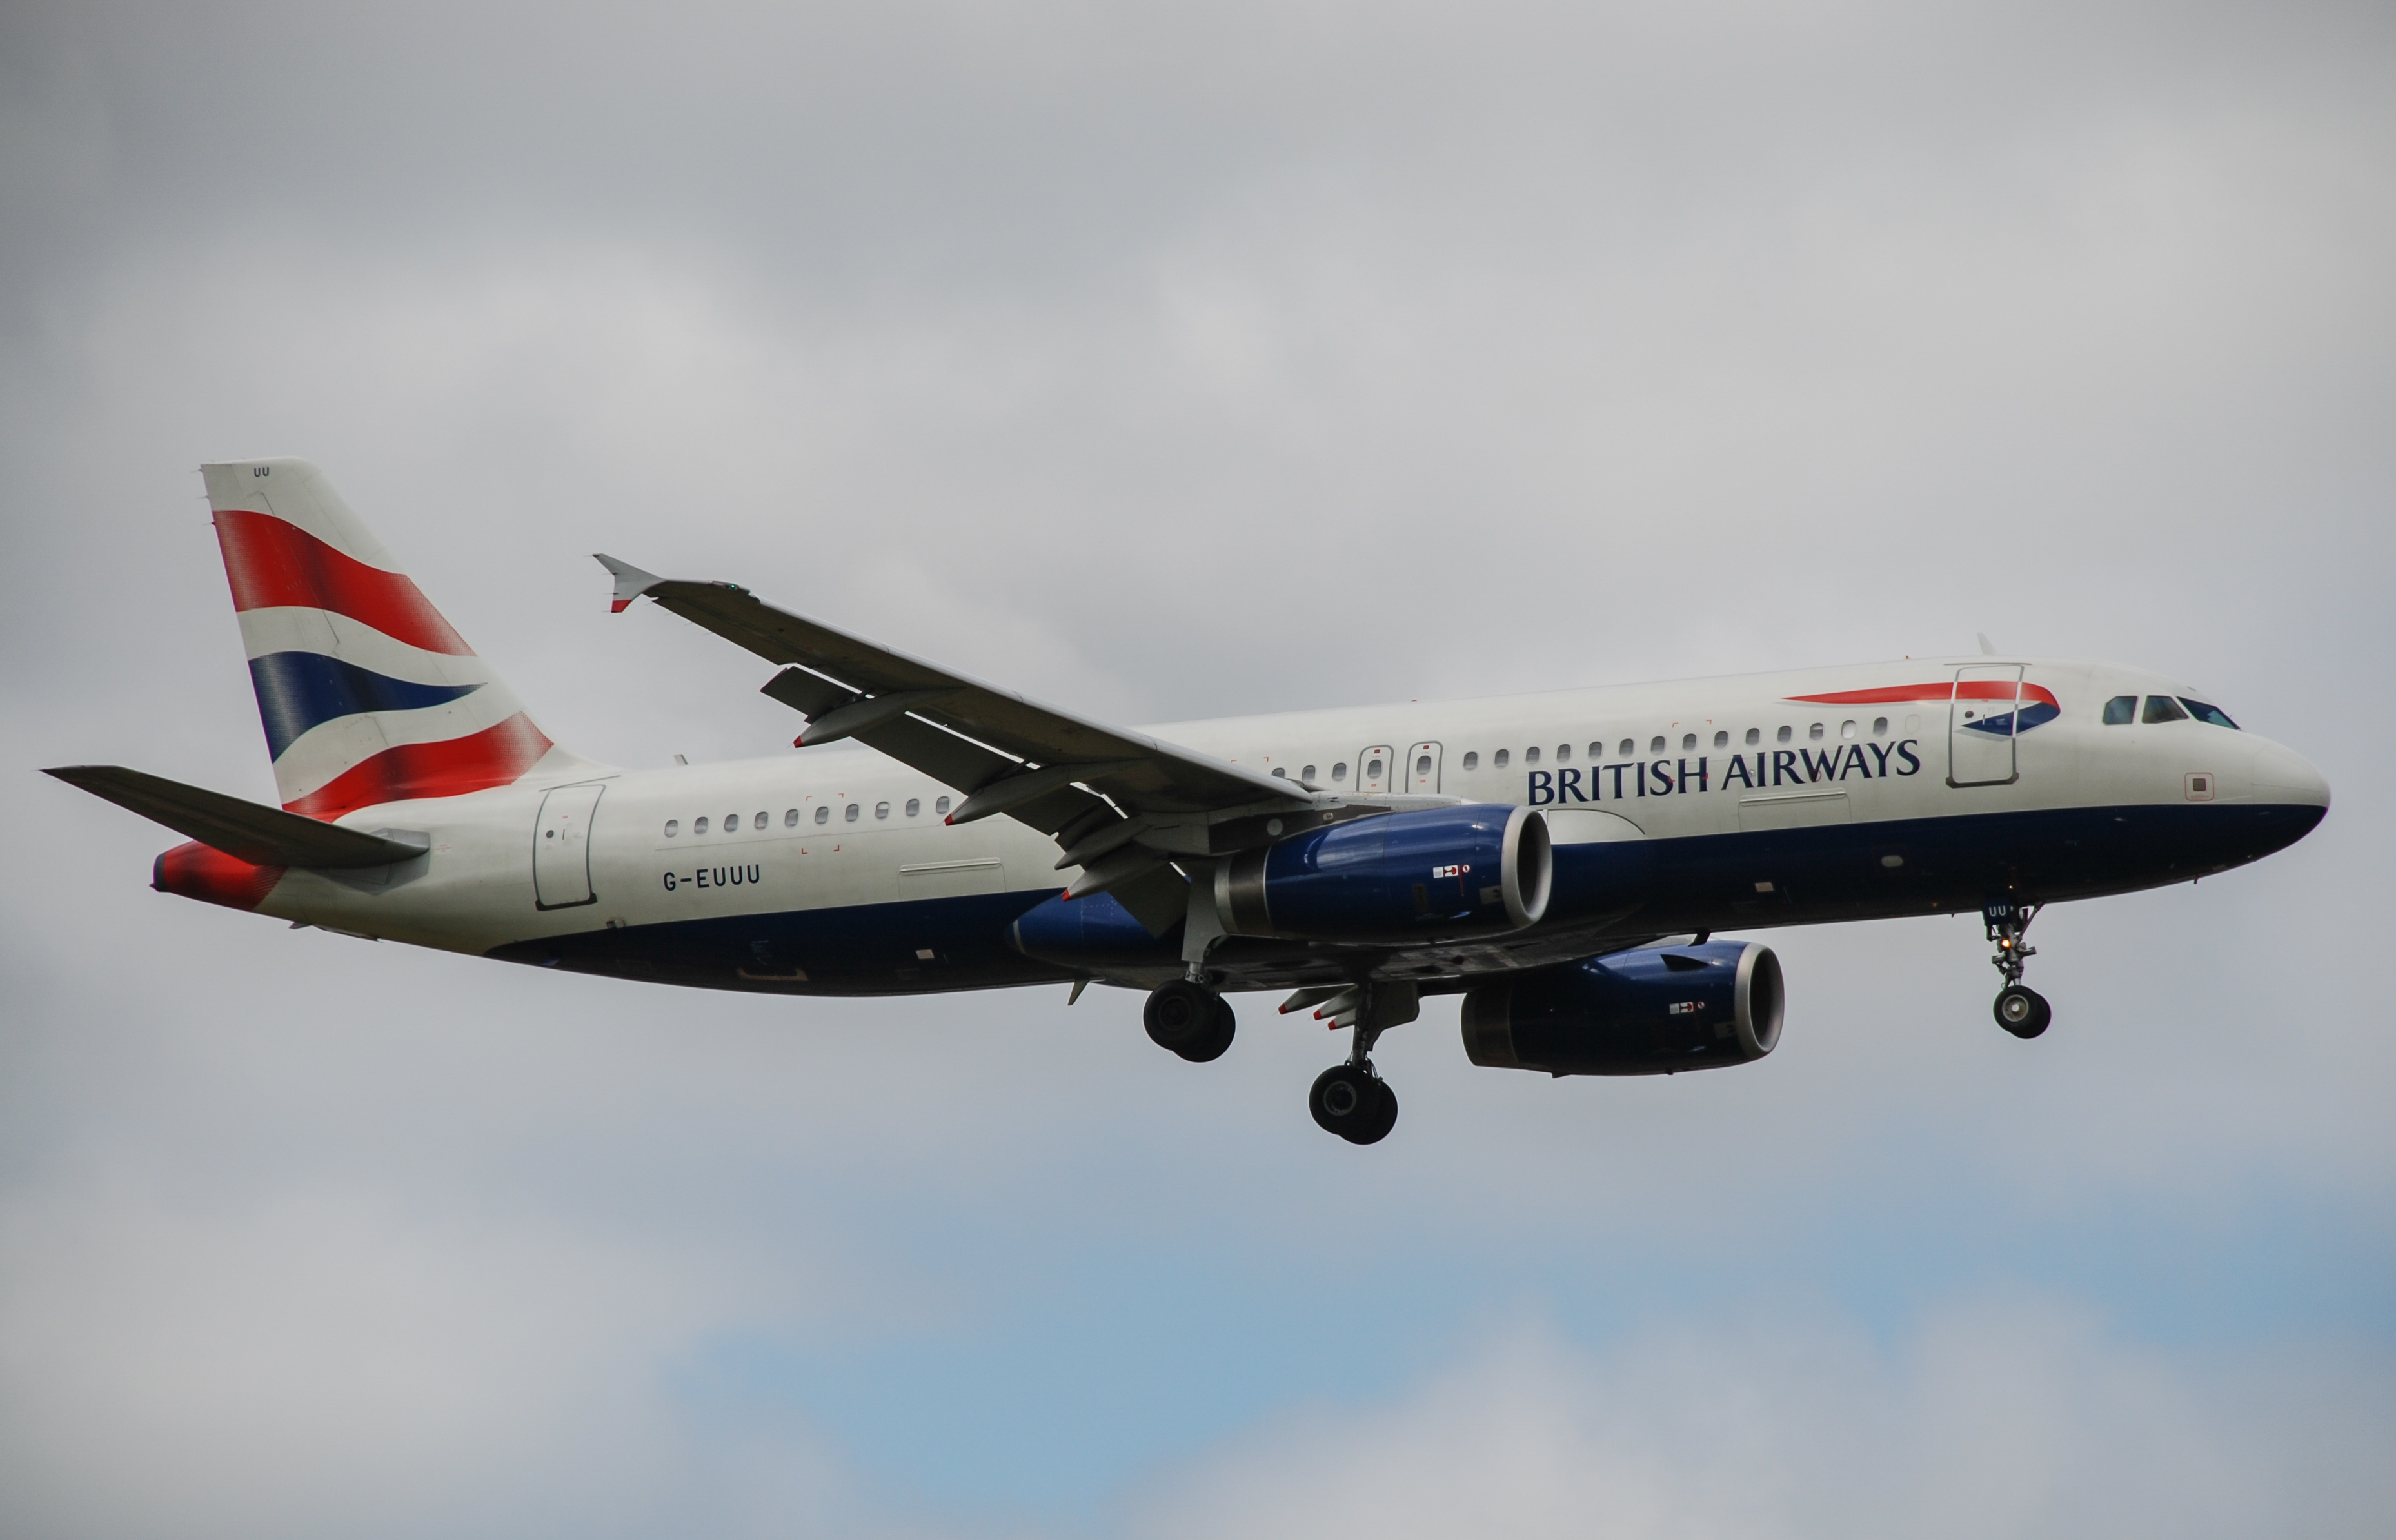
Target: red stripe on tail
<point>272,564</point>
<point>495,756</point>
<point>200,872</point>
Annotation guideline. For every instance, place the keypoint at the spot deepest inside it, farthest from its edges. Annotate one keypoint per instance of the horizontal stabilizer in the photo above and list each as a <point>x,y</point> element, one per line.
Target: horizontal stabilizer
<point>246,830</point>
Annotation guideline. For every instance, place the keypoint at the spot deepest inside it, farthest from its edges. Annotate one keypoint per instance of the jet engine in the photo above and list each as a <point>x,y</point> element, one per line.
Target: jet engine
<point>1482,869</point>
<point>1654,1011</point>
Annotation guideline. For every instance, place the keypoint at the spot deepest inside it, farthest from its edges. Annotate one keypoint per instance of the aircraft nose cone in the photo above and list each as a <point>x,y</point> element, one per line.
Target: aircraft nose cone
<point>2285,776</point>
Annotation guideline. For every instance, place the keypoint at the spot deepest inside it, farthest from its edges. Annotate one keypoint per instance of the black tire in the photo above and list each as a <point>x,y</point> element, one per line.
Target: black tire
<point>2022,1011</point>
<point>1210,1047</point>
<point>1385,1117</point>
<point>1354,1103</point>
<point>1179,1015</point>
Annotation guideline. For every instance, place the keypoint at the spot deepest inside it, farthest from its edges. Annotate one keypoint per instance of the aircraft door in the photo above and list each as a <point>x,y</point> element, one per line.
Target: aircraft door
<point>1982,720</point>
<point>1422,769</point>
<point>1375,769</point>
<point>561,848</point>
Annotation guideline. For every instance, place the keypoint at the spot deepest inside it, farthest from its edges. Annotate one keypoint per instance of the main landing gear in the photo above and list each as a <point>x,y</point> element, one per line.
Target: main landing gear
<point>1352,1100</point>
<point>1189,1019</point>
<point>1348,1099</point>
<point>2019,1009</point>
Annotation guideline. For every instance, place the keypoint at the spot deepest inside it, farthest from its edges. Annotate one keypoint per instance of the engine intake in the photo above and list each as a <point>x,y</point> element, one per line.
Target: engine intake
<point>1656,1011</point>
<point>1482,869</point>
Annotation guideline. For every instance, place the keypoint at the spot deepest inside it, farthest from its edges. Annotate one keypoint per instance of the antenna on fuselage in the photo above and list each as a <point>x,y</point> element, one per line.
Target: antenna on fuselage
<point>1988,648</point>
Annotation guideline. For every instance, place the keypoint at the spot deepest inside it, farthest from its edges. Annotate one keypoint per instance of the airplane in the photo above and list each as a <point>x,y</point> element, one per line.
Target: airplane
<point>1564,861</point>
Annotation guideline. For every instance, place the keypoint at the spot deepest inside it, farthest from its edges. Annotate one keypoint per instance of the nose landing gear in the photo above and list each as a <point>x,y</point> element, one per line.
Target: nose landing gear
<point>2019,1009</point>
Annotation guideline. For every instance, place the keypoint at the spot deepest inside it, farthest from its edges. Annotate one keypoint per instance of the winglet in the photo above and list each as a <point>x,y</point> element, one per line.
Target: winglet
<point>631,581</point>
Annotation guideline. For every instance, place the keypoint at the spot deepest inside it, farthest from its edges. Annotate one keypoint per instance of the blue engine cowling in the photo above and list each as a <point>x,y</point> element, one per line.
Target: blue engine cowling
<point>1656,1011</point>
<point>1482,869</point>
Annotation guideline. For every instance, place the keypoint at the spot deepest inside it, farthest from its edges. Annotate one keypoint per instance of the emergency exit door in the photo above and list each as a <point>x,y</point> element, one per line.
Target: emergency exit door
<point>560,847</point>
<point>1422,769</point>
<point>1376,771</point>
<point>1982,720</point>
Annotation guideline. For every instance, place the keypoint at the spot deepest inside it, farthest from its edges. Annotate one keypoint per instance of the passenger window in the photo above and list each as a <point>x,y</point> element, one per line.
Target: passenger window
<point>914,806</point>
<point>760,821</point>
<point>823,813</point>
<point>1814,732</point>
<point>1754,737</point>
<point>1472,761</point>
<point>1500,760</point>
<point>1281,772</point>
<point>1688,742</point>
<point>942,806</point>
<point>1880,726</point>
<point>1531,755</point>
<point>2120,710</point>
<point>1564,753</point>
<point>1373,771</point>
<point>699,826</point>
<point>1847,731</point>
<point>2162,709</point>
<point>791,818</point>
<point>851,812</point>
<point>1722,740</point>
<point>1783,736</point>
<point>1655,746</point>
<point>1422,765</point>
<point>2212,714</point>
<point>1597,750</point>
<point>882,810</point>
<point>732,823</point>
<point>674,826</point>
<point>1307,774</point>
<point>1339,771</point>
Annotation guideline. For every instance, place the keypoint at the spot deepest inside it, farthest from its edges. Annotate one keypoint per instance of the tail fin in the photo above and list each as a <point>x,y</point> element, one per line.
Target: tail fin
<point>367,695</point>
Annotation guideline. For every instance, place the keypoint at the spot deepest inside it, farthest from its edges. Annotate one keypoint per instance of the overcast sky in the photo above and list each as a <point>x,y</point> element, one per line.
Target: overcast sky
<point>1167,361</point>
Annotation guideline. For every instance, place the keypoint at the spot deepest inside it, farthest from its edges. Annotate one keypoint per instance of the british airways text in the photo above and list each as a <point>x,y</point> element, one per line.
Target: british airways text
<point>1766,767</point>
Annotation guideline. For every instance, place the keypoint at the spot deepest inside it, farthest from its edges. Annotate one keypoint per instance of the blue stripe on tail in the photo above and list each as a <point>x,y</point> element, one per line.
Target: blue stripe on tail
<point>298,690</point>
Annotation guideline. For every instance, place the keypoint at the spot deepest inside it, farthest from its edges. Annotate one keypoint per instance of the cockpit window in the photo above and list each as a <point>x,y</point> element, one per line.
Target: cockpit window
<point>2162,709</point>
<point>2212,714</point>
<point>2121,709</point>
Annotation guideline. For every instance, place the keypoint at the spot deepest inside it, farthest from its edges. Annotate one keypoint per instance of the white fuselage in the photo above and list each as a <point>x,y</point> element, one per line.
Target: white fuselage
<point>842,827</point>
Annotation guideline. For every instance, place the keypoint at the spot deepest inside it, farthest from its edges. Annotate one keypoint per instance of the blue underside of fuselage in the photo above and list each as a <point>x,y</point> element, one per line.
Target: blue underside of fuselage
<point>1642,887</point>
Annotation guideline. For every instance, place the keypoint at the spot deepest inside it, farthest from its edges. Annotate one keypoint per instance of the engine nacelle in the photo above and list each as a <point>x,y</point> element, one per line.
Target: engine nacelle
<point>1652,1012</point>
<point>1482,869</point>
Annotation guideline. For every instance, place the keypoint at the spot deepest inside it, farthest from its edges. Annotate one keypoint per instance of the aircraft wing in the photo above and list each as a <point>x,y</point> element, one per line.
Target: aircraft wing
<point>1006,752</point>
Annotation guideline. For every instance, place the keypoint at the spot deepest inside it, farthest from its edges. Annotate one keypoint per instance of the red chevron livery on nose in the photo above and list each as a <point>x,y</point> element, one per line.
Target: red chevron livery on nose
<point>1941,689</point>
<point>272,564</point>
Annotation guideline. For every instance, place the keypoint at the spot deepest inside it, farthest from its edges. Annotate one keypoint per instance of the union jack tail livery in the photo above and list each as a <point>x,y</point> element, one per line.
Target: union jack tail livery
<point>367,693</point>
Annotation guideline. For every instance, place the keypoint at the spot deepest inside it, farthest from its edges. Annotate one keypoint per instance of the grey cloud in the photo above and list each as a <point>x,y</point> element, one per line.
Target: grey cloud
<point>1163,363</point>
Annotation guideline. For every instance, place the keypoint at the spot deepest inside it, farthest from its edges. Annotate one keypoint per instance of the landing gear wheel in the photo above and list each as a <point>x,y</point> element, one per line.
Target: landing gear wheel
<point>1178,1014</point>
<point>2022,1011</point>
<point>1210,1046</point>
<point>1353,1102</point>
